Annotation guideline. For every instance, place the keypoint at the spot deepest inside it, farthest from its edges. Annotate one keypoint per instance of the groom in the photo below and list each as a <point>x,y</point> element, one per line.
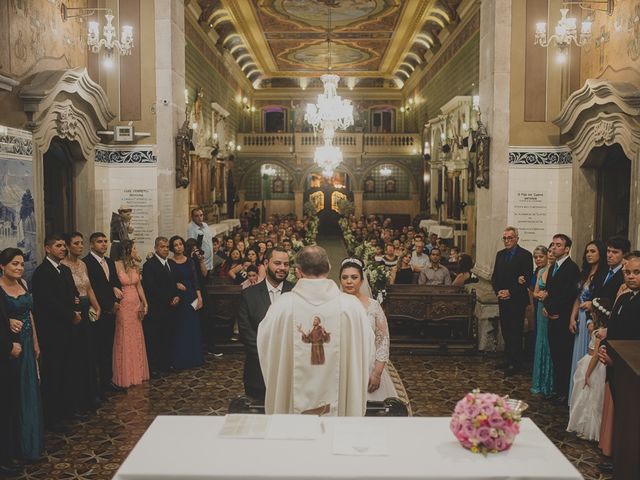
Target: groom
<point>297,381</point>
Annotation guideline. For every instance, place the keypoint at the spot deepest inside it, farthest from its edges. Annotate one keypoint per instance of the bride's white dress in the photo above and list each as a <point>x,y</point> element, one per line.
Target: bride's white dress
<point>378,321</point>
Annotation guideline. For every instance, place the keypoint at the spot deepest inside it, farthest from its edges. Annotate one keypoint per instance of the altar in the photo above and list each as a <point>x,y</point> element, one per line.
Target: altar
<point>192,447</point>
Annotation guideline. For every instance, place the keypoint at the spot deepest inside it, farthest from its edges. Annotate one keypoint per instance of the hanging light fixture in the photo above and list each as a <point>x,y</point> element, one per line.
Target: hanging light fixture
<point>331,113</point>
<point>109,41</point>
<point>566,30</point>
<point>328,157</point>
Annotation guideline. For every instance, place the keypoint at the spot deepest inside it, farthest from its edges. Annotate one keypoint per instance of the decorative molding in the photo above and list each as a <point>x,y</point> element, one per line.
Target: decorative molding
<point>16,142</point>
<point>116,155</point>
<point>542,156</point>
<point>7,83</point>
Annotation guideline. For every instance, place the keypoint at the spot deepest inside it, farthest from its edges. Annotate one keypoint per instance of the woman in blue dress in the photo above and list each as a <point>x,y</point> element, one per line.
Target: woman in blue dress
<point>187,346</point>
<point>542,378</point>
<point>594,262</point>
<point>30,435</point>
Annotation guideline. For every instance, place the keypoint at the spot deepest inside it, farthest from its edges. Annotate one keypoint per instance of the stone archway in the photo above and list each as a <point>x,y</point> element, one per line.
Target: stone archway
<point>68,106</point>
<point>601,114</point>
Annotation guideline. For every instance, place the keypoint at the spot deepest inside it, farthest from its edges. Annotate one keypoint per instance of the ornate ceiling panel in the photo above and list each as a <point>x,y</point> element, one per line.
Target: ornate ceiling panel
<point>381,39</point>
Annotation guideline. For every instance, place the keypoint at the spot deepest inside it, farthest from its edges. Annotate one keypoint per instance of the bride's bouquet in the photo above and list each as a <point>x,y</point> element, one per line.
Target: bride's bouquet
<point>486,422</point>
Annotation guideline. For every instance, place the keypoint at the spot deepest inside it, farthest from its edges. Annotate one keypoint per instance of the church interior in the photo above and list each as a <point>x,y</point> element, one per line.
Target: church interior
<point>453,117</point>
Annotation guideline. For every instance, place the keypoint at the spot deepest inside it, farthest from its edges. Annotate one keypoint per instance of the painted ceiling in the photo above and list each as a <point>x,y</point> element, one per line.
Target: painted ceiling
<point>376,40</point>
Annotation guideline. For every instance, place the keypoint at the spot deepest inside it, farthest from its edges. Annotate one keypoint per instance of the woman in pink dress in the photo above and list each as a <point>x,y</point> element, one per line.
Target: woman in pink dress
<point>129,354</point>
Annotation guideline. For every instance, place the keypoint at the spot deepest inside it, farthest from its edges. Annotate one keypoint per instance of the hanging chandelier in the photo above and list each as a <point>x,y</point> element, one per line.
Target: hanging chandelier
<point>566,30</point>
<point>109,41</point>
<point>327,157</point>
<point>331,113</point>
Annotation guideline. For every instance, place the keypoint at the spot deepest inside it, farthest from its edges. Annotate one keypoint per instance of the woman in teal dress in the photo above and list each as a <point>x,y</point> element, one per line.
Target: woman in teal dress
<point>18,300</point>
<point>542,381</point>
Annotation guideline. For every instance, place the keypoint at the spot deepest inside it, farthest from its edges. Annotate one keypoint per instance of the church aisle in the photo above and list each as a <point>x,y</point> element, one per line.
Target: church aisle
<point>94,449</point>
<point>334,246</point>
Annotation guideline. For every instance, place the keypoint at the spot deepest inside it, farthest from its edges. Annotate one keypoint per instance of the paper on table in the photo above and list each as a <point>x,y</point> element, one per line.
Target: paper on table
<point>293,427</point>
<point>359,440</point>
<point>245,426</point>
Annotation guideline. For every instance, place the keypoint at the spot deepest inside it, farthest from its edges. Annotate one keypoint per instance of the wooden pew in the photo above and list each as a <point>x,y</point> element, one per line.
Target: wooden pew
<point>221,308</point>
<point>427,317</point>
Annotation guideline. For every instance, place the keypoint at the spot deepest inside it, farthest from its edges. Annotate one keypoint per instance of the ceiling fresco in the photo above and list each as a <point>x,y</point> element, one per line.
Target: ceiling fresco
<point>376,39</point>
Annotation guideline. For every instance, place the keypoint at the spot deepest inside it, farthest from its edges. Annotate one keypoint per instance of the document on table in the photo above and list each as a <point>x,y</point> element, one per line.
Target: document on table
<point>245,426</point>
<point>359,440</point>
<point>294,427</point>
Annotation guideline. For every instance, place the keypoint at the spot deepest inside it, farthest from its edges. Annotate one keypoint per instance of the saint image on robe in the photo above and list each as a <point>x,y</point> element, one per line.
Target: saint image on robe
<point>317,337</point>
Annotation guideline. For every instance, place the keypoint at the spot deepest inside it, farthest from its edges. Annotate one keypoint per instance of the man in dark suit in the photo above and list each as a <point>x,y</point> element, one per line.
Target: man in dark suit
<point>9,348</point>
<point>108,291</point>
<point>160,288</point>
<point>608,282</point>
<point>512,271</point>
<point>562,290</point>
<point>254,303</point>
<point>55,311</point>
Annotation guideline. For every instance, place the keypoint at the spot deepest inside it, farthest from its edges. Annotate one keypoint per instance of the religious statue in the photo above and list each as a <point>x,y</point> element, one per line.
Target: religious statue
<point>482,141</point>
<point>121,228</point>
<point>183,146</point>
<point>317,337</point>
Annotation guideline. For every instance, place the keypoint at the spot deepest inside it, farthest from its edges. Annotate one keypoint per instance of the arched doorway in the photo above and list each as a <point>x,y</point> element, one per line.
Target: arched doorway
<point>614,190</point>
<point>325,194</point>
<point>59,191</point>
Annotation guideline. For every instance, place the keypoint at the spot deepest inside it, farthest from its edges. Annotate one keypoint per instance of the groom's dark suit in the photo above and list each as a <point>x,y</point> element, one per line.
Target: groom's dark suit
<point>103,329</point>
<point>562,288</point>
<point>54,306</point>
<point>160,288</point>
<point>254,303</point>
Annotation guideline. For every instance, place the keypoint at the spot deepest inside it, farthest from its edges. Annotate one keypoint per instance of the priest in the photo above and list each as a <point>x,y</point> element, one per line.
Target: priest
<point>315,345</point>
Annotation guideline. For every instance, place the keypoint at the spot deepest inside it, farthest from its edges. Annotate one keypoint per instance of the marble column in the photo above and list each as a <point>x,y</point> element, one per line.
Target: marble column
<point>494,89</point>
<point>298,199</point>
<point>173,203</point>
<point>358,202</point>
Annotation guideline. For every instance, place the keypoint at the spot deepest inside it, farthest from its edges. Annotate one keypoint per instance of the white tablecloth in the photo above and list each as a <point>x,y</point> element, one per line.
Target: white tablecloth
<point>232,222</point>
<point>186,448</point>
<point>442,231</point>
<point>218,228</point>
<point>427,223</point>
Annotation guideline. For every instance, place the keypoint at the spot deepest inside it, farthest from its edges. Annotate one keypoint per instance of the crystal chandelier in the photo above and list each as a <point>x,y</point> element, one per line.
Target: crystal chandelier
<point>327,157</point>
<point>331,113</point>
<point>109,41</point>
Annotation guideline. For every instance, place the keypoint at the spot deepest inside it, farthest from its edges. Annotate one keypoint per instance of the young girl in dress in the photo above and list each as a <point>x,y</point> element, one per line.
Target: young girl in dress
<point>587,398</point>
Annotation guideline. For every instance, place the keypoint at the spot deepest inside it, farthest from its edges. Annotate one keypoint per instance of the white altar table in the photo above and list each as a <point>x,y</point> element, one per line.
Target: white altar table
<point>190,448</point>
<point>218,228</point>
<point>232,222</point>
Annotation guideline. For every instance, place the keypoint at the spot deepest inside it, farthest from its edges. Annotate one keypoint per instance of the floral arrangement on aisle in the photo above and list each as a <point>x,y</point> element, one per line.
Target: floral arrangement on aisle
<point>485,422</point>
<point>312,224</point>
<point>349,240</point>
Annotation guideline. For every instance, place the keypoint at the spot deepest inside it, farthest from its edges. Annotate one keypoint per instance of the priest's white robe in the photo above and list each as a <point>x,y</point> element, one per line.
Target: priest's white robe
<point>316,348</point>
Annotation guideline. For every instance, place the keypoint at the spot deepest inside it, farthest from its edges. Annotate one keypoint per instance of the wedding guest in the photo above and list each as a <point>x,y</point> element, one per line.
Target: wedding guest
<point>55,300</point>
<point>18,303</point>
<point>200,231</point>
<point>542,378</point>
<point>512,269</point>
<point>108,292</point>
<point>10,349</point>
<point>593,264</point>
<point>252,277</point>
<point>419,260</point>
<point>558,305</point>
<point>197,256</point>
<point>587,398</point>
<point>159,284</point>
<point>464,276</point>
<point>86,387</point>
<point>610,280</point>
<point>187,339</point>
<point>434,273</point>
<point>402,273</point>
<point>232,267</point>
<point>130,365</point>
<point>380,385</point>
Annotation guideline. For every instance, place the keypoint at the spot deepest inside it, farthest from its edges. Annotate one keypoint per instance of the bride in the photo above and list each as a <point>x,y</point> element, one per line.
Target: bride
<point>351,282</point>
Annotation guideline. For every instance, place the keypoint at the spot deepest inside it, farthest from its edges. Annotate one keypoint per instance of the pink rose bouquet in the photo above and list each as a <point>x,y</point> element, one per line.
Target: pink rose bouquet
<point>485,422</point>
